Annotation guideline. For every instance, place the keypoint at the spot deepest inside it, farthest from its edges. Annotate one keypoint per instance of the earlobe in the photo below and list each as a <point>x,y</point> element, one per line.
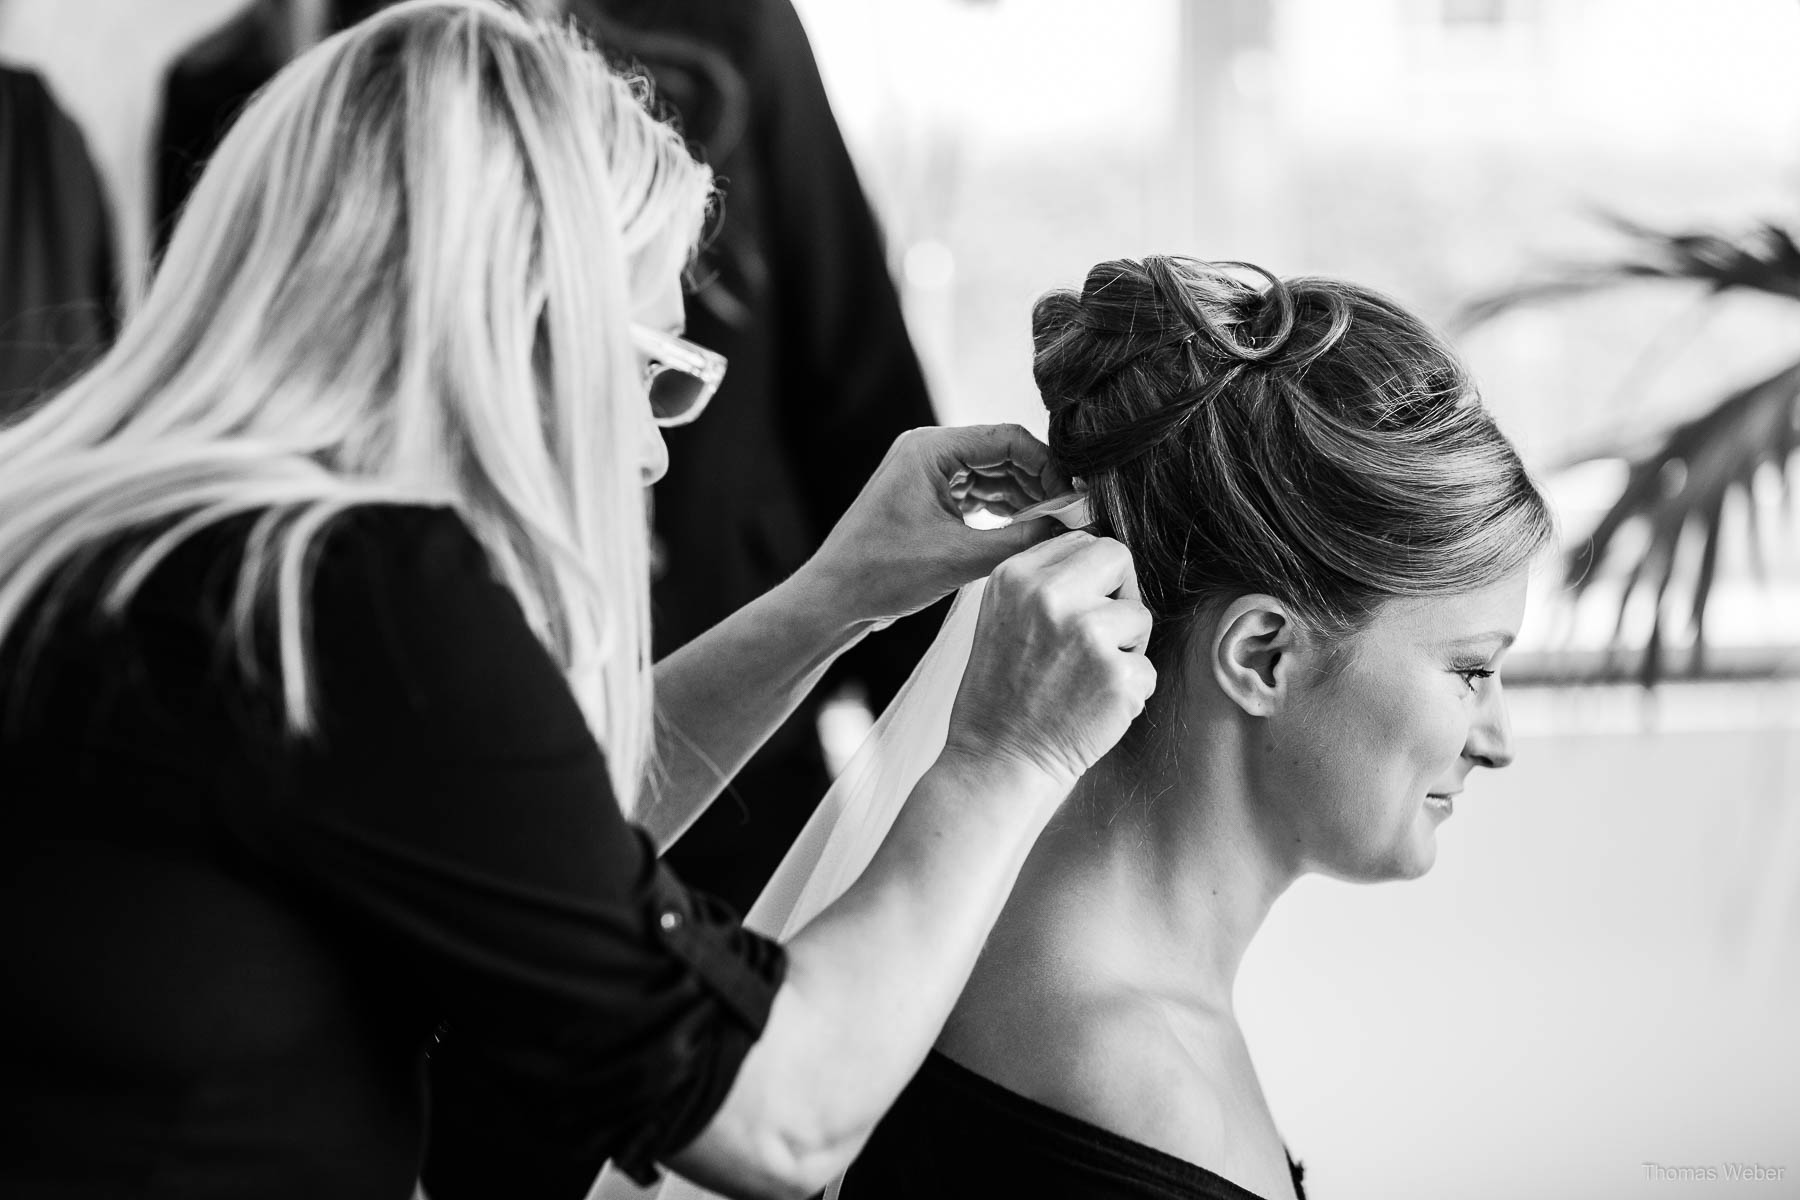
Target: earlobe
<point>1252,648</point>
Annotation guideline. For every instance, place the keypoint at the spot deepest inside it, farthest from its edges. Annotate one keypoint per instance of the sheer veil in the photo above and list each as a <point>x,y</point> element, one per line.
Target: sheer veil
<point>860,807</point>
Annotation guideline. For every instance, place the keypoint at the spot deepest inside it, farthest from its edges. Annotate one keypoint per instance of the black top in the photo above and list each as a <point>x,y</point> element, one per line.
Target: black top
<point>228,952</point>
<point>956,1134</point>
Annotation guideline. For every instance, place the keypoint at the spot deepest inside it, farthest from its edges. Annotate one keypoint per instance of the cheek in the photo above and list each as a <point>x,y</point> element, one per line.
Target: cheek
<point>1416,729</point>
<point>1421,727</point>
<point>1371,741</point>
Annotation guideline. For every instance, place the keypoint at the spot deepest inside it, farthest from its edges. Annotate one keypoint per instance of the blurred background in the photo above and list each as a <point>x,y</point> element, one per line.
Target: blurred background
<point>1602,975</point>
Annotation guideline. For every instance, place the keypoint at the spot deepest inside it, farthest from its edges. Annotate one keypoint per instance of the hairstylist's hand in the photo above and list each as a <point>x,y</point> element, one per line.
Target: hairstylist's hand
<point>1057,671</point>
<point>903,543</point>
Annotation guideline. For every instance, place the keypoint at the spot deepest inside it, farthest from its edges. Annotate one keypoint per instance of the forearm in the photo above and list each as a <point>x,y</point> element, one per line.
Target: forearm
<point>719,697</point>
<point>872,980</point>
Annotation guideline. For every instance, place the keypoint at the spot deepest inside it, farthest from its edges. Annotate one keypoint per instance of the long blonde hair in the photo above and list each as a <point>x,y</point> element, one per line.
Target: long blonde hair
<point>406,276</point>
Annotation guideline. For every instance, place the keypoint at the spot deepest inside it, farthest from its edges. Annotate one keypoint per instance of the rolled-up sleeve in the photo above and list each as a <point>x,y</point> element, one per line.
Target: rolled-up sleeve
<point>455,811</point>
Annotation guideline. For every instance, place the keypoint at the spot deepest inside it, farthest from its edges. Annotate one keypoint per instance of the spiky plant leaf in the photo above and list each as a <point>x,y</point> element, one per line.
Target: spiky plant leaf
<point>1683,485</point>
<point>1765,259</point>
<point>1680,481</point>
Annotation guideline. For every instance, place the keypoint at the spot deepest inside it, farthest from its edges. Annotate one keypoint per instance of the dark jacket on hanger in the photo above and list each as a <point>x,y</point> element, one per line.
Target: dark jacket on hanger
<point>58,291</point>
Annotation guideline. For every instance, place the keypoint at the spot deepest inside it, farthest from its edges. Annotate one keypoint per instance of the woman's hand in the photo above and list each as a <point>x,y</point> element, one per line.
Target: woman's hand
<point>1057,671</point>
<point>903,543</point>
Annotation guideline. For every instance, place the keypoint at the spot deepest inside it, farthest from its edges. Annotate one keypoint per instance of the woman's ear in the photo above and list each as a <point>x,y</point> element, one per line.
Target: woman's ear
<point>1253,646</point>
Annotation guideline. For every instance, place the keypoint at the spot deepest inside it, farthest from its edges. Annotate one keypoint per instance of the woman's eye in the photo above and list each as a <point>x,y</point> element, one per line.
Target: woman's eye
<point>1474,675</point>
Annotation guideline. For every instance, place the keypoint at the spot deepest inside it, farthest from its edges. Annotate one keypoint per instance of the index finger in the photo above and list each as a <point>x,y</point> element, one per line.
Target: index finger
<point>1107,562</point>
<point>991,447</point>
<point>1015,446</point>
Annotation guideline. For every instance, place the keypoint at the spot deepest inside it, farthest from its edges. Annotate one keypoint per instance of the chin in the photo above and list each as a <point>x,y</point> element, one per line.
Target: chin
<point>1410,860</point>
<point>1419,863</point>
<point>1416,854</point>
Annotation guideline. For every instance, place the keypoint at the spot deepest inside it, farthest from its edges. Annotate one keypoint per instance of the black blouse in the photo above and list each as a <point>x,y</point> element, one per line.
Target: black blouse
<point>956,1135</point>
<point>229,952</point>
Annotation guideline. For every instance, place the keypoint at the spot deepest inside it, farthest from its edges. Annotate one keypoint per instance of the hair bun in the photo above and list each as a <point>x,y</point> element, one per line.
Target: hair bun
<point>1145,346</point>
<point>1229,319</point>
<point>1128,311</point>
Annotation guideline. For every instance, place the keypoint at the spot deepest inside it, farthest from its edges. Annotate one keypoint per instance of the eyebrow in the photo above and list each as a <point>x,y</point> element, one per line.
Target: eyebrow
<point>1504,637</point>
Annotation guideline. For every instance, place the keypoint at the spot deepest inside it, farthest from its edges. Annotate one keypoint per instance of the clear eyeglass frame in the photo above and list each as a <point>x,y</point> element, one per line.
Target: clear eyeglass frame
<point>680,376</point>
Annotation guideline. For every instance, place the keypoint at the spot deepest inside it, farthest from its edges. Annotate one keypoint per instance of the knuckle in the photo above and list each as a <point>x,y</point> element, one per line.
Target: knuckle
<point>1058,602</point>
<point>1091,626</point>
<point>920,440</point>
<point>1017,576</point>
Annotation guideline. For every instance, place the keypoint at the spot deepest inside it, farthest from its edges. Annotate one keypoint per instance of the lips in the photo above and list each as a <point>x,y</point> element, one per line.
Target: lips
<point>1441,802</point>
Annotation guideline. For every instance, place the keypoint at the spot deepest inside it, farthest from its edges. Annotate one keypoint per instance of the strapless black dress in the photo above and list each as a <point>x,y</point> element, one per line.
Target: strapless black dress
<point>955,1134</point>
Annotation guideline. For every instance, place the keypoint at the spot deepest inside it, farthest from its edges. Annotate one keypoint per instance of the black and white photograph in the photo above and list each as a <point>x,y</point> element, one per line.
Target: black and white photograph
<point>899,599</point>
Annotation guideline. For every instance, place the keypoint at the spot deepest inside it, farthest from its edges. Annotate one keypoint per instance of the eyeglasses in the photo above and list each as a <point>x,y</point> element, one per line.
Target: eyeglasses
<point>679,375</point>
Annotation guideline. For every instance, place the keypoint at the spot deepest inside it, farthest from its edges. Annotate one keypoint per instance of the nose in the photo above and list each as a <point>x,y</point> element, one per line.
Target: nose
<point>1490,737</point>
<point>653,454</point>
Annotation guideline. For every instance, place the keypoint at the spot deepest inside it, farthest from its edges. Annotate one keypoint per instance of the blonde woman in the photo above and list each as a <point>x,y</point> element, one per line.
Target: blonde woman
<point>323,683</point>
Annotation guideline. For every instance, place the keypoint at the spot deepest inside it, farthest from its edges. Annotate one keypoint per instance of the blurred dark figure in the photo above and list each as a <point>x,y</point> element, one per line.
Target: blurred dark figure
<point>797,294</point>
<point>206,88</point>
<point>59,297</point>
<point>794,289</point>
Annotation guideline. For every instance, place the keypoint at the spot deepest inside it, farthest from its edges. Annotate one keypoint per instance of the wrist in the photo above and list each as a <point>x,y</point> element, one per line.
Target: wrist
<point>832,605</point>
<point>1026,785</point>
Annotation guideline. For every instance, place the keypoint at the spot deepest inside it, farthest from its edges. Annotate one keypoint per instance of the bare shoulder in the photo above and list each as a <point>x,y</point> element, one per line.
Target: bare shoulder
<point>1173,1076</point>
<point>1113,1059</point>
<point>1131,1068</point>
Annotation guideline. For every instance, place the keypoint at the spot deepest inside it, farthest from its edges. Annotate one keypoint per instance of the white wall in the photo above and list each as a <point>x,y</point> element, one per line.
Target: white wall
<point>1602,970</point>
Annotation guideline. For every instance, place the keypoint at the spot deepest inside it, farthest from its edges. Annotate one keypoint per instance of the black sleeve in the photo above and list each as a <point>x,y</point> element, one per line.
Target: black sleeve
<point>455,805</point>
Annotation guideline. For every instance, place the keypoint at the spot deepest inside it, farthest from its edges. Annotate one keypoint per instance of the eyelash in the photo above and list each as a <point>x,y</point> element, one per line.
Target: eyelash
<point>1471,674</point>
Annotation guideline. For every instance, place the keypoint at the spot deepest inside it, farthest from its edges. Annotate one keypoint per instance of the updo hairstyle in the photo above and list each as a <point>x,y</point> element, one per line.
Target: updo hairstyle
<point>1308,439</point>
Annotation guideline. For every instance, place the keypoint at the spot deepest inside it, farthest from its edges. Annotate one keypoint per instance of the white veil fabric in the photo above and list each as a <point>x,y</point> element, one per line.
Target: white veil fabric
<point>860,807</point>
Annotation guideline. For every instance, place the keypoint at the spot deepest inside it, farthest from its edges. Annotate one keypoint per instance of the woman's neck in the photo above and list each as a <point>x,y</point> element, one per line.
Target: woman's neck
<point>1154,878</point>
<point>1105,990</point>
